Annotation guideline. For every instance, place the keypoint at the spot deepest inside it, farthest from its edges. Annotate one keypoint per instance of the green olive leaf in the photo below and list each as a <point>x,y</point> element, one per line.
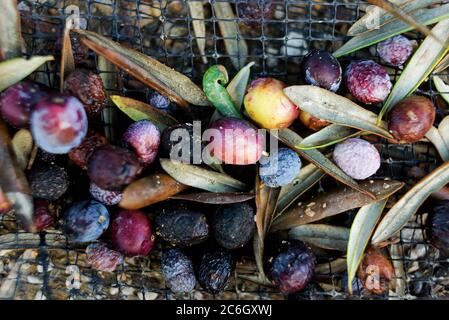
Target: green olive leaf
<point>377,16</point>
<point>237,89</point>
<point>443,65</point>
<point>201,178</point>
<point>326,135</point>
<point>442,88</point>
<point>334,202</point>
<point>292,139</point>
<point>322,236</point>
<point>237,86</point>
<point>403,15</point>
<point>398,216</point>
<point>423,61</point>
<point>329,106</point>
<point>138,110</point>
<point>395,27</point>
<point>435,136</point>
<point>17,69</point>
<point>214,80</point>
<point>176,86</point>
<point>235,45</point>
<point>361,230</point>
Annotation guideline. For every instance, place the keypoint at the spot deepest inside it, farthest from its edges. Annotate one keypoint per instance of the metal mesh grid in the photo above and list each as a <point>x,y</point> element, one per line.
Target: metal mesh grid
<point>50,268</point>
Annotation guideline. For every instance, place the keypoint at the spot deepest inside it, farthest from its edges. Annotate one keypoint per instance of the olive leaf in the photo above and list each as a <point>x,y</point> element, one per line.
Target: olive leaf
<point>14,183</point>
<point>22,144</point>
<point>176,86</point>
<point>292,139</point>
<point>215,197</point>
<point>440,138</point>
<point>214,80</point>
<point>149,190</point>
<point>334,202</point>
<point>67,58</point>
<point>237,89</point>
<point>328,134</point>
<point>17,69</point>
<point>138,110</point>
<point>377,16</point>
<point>266,202</point>
<point>442,87</point>
<point>404,16</point>
<point>390,29</point>
<point>10,33</point>
<point>329,106</point>
<point>401,212</point>
<point>423,61</point>
<point>201,178</point>
<point>109,115</point>
<point>308,176</point>
<point>443,65</point>
<point>237,86</point>
<point>196,10</point>
<point>235,46</point>
<point>322,236</point>
<point>361,230</point>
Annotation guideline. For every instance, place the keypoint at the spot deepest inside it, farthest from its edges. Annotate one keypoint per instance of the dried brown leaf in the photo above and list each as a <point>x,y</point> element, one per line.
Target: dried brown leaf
<point>334,202</point>
<point>176,86</point>
<point>215,197</point>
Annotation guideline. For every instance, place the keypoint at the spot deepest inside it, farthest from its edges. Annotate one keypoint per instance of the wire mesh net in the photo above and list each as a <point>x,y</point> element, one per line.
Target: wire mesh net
<point>45,266</point>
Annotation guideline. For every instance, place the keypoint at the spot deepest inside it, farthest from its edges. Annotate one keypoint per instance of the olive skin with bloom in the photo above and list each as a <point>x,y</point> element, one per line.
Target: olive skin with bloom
<point>368,81</point>
<point>178,272</point>
<point>59,123</point>
<point>101,258</point>
<point>131,233</point>
<point>235,141</point>
<point>357,158</point>
<point>17,101</point>
<point>292,268</point>
<point>411,119</point>
<point>112,168</point>
<point>86,221</point>
<point>106,197</point>
<point>323,70</point>
<point>144,138</point>
<point>395,51</point>
<point>268,106</point>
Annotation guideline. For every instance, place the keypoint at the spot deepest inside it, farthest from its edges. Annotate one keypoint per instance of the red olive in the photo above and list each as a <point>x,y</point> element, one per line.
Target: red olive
<point>411,118</point>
